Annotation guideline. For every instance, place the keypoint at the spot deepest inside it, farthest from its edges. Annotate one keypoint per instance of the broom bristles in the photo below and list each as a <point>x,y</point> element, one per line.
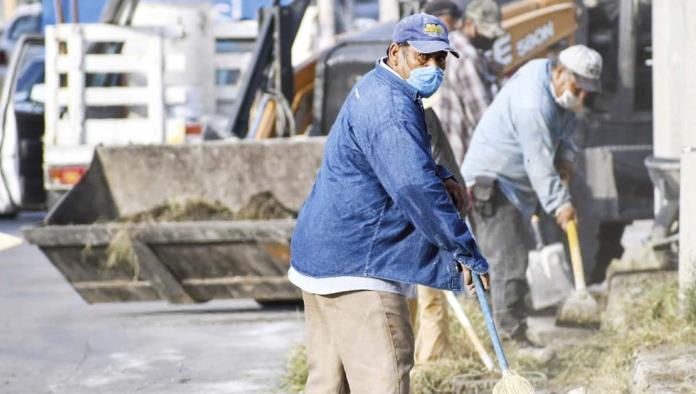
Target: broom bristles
<point>579,310</point>
<point>512,383</point>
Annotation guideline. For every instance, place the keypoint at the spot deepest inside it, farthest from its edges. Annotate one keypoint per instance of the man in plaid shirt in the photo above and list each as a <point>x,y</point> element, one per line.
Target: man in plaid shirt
<point>467,89</point>
<point>460,102</point>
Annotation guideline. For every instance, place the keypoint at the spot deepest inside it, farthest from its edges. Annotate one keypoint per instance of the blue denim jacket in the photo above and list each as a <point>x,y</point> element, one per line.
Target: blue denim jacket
<point>519,138</point>
<point>378,207</point>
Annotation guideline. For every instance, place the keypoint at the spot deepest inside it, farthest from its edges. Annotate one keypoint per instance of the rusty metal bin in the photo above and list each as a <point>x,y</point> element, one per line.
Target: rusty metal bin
<point>181,262</point>
<point>178,262</point>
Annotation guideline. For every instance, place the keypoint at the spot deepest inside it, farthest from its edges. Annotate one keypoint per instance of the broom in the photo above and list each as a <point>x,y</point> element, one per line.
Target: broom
<point>510,383</point>
<point>579,309</point>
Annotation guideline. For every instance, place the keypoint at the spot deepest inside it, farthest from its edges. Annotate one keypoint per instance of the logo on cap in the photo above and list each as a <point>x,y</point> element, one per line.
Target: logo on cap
<point>594,70</point>
<point>432,29</point>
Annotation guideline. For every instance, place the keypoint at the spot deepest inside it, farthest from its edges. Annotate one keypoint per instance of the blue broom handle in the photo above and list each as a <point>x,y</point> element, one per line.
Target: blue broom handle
<point>497,346</point>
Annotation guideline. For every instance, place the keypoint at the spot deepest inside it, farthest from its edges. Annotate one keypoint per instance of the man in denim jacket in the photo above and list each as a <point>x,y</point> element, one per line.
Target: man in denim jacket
<point>379,220</point>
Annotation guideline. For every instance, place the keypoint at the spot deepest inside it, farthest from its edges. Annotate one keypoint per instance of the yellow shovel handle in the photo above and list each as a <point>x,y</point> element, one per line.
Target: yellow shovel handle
<point>575,256</point>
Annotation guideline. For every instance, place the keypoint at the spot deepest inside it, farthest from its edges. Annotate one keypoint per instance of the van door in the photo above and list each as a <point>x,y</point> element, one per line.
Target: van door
<point>21,130</point>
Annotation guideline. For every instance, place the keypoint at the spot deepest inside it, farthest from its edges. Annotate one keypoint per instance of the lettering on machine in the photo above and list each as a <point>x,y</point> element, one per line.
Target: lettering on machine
<point>534,39</point>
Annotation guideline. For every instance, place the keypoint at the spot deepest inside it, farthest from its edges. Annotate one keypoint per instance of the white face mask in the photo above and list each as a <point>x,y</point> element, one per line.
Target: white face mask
<point>568,100</point>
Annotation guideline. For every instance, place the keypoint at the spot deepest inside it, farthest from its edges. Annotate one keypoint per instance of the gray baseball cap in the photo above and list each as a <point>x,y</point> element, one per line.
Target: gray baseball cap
<point>586,65</point>
<point>486,15</point>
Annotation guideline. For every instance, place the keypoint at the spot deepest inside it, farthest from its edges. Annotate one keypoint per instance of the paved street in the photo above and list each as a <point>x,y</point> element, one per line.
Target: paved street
<point>51,341</point>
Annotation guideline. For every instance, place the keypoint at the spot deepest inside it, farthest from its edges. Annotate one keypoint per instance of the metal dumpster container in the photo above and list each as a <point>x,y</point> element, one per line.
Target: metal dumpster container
<point>181,262</point>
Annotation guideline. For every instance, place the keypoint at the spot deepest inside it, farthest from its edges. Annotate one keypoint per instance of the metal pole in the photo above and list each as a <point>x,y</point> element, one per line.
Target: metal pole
<point>60,17</point>
<point>75,13</point>
<point>628,20</point>
<point>277,66</point>
<point>283,51</point>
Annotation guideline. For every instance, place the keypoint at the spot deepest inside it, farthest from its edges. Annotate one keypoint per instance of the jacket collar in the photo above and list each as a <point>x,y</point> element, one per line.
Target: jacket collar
<point>396,81</point>
<point>549,84</point>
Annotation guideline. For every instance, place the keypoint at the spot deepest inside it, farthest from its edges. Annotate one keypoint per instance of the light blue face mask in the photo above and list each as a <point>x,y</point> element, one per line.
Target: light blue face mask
<point>426,80</point>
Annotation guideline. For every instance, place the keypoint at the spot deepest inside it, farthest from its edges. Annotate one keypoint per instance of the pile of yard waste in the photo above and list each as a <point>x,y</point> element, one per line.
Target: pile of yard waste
<point>261,206</point>
<point>600,362</point>
<point>120,251</point>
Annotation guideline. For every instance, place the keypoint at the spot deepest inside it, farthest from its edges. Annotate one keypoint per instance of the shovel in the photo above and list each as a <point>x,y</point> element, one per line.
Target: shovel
<point>547,273</point>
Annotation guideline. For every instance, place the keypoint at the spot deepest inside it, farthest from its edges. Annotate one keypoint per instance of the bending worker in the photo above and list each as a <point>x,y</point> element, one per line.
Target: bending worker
<point>379,219</point>
<point>520,153</point>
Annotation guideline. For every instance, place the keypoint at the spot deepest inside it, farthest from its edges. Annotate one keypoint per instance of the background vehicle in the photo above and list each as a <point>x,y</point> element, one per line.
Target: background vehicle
<point>162,98</point>
<point>26,20</point>
<point>21,130</point>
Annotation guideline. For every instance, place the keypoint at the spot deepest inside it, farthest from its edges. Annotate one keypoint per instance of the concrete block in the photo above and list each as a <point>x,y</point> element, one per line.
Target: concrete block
<point>664,370</point>
<point>623,290</point>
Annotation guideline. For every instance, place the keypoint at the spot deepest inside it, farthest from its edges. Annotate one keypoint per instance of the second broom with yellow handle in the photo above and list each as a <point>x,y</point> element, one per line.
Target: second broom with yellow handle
<point>579,309</point>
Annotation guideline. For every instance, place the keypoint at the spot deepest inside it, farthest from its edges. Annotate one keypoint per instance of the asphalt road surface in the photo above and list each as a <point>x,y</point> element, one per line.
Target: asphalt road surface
<point>51,341</point>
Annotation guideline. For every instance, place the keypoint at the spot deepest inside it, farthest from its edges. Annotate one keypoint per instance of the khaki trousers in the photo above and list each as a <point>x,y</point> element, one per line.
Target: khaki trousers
<point>430,311</point>
<point>358,342</point>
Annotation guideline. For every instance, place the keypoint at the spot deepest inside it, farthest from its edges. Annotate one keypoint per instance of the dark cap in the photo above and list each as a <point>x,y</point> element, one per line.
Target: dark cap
<point>442,7</point>
<point>486,16</point>
<point>424,32</point>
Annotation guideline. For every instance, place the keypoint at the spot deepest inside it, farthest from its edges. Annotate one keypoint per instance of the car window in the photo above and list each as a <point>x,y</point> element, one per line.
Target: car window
<point>24,24</point>
<point>31,71</point>
<point>32,74</point>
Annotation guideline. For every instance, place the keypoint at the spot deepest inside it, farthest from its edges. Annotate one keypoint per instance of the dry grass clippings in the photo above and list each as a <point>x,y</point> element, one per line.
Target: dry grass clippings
<point>600,363</point>
<point>120,251</point>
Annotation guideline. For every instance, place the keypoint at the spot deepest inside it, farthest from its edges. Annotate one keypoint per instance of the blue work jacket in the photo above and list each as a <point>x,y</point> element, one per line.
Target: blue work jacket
<point>379,207</point>
<point>519,139</point>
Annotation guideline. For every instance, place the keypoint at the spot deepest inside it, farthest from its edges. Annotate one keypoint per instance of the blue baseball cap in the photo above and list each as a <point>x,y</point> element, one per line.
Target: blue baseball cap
<point>424,32</point>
